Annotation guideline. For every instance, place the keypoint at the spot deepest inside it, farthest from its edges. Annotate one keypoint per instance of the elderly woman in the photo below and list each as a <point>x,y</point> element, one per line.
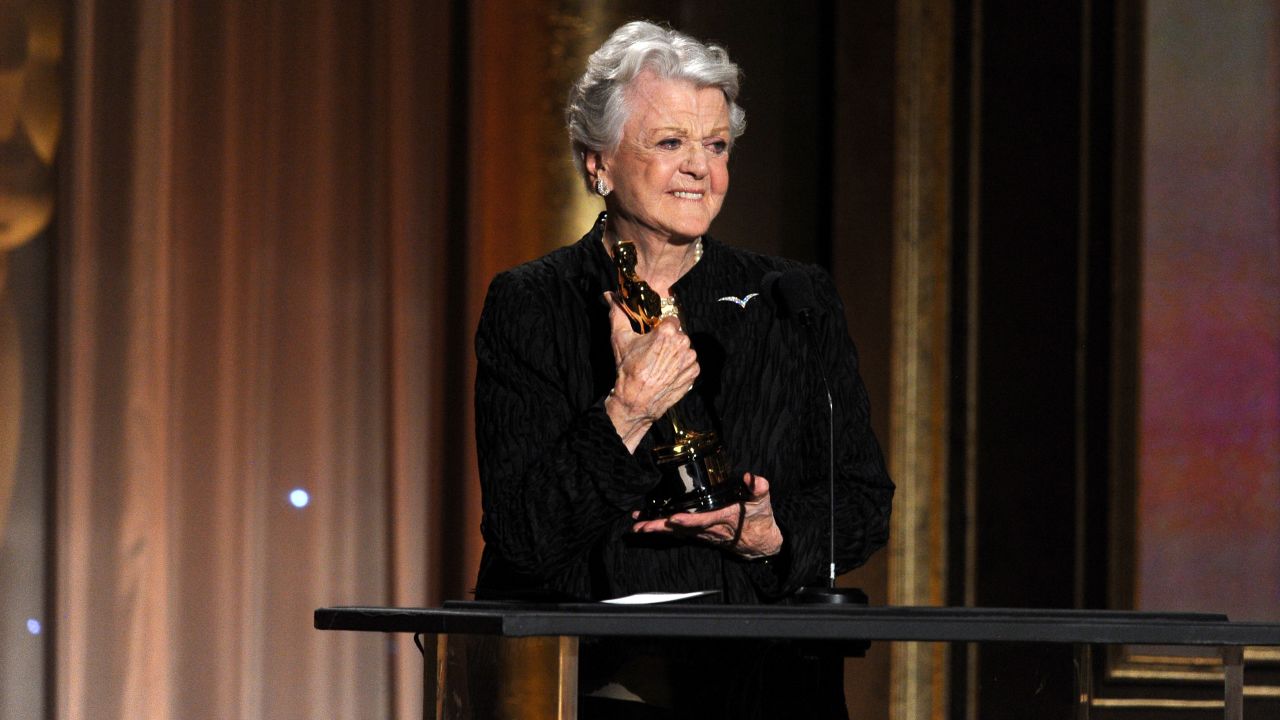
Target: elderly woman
<point>571,399</point>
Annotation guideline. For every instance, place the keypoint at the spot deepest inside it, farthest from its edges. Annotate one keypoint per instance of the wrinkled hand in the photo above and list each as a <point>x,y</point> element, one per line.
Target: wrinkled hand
<point>654,370</point>
<point>747,529</point>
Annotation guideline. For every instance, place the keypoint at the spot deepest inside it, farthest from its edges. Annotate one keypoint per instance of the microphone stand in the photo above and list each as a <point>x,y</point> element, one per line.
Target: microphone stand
<point>792,293</point>
<point>829,595</point>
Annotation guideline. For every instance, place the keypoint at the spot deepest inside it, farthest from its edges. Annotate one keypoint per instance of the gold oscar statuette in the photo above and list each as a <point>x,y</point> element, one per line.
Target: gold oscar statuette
<point>694,467</point>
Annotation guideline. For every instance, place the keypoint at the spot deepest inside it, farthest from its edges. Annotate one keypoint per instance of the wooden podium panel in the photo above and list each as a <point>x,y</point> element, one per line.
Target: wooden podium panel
<point>473,676</point>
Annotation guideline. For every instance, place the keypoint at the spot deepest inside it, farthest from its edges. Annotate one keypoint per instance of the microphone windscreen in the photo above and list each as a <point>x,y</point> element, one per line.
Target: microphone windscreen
<point>795,289</point>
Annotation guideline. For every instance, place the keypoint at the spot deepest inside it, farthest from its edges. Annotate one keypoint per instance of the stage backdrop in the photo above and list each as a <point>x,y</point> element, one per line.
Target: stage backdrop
<point>276,225</point>
<point>278,222</point>
<point>1208,501</point>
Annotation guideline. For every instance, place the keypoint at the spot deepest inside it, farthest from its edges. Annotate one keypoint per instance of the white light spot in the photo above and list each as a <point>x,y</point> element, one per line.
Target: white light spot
<point>299,498</point>
<point>33,626</point>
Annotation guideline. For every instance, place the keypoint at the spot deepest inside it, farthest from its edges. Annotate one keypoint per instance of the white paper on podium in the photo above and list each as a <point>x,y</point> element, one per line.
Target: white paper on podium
<point>653,598</point>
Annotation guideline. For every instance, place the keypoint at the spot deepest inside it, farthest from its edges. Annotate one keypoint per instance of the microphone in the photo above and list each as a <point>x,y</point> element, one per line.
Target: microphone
<point>792,294</point>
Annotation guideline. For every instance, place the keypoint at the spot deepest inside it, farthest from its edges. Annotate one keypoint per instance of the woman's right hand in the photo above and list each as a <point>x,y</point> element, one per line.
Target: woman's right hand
<point>654,371</point>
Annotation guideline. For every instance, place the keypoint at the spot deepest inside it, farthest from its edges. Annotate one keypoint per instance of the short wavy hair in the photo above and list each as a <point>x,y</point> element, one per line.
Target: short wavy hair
<point>597,108</point>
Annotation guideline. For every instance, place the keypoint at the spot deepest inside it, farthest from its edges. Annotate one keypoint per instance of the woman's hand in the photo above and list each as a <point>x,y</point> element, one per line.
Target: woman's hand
<point>746,529</point>
<point>654,370</point>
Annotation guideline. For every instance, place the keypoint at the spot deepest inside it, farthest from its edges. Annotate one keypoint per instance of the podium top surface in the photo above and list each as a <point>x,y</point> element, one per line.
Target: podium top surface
<point>806,622</point>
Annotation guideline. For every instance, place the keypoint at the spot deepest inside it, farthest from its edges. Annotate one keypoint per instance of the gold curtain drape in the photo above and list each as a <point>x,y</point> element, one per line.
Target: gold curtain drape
<point>31,50</point>
<point>31,55</point>
<point>255,295</point>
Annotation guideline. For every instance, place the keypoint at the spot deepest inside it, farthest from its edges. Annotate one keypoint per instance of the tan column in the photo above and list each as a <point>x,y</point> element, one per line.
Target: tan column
<point>919,412</point>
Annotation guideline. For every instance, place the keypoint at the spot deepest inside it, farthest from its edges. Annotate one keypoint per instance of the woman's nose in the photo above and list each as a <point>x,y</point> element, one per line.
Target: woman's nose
<point>695,161</point>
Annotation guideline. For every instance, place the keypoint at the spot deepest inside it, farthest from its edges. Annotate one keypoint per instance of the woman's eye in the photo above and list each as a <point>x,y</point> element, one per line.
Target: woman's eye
<point>718,147</point>
<point>669,144</point>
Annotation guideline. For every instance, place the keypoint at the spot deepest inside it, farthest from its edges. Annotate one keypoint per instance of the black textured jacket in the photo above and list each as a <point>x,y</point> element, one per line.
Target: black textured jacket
<point>559,485</point>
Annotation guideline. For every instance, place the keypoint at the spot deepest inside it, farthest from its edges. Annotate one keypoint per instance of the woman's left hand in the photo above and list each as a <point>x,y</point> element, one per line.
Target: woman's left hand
<point>746,529</point>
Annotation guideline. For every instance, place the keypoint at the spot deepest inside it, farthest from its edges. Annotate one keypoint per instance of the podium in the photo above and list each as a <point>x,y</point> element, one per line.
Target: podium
<point>524,656</point>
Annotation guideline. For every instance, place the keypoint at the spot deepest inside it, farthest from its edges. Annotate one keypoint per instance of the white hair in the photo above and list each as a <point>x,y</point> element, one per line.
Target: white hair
<point>597,108</point>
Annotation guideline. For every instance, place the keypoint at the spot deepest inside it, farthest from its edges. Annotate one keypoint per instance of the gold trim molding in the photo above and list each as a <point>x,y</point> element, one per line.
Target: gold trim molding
<point>1134,666</point>
<point>919,401</point>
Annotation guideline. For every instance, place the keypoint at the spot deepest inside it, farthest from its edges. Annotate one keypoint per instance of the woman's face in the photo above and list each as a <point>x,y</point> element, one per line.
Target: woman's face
<point>671,170</point>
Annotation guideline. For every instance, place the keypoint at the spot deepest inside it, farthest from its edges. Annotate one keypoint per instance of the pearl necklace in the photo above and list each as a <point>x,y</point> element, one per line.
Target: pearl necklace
<point>668,302</point>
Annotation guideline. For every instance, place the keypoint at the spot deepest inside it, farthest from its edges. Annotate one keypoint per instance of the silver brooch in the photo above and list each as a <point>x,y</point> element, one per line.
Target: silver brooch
<point>740,302</point>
